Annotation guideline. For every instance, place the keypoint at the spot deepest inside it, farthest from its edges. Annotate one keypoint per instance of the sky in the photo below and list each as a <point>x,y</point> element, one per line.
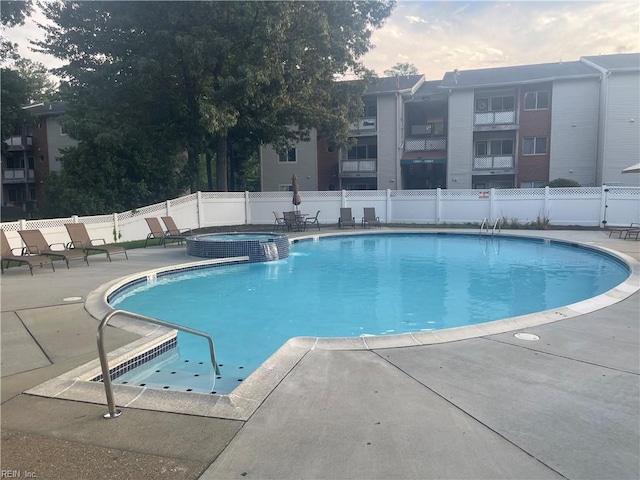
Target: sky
<point>441,36</point>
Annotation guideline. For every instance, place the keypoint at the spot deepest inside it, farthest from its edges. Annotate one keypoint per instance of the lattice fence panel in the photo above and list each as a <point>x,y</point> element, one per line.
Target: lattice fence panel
<point>221,195</point>
<point>574,192</point>
<point>413,194</point>
<point>519,193</point>
<point>96,219</point>
<point>460,194</point>
<point>626,191</point>
<point>11,226</point>
<point>47,223</point>
<point>365,194</point>
<point>143,211</point>
<point>193,198</point>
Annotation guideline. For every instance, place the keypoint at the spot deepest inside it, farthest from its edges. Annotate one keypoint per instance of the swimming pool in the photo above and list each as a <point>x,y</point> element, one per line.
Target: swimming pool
<point>358,286</point>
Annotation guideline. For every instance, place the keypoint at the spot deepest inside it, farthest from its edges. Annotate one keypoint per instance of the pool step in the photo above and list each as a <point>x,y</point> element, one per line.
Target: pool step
<point>174,373</point>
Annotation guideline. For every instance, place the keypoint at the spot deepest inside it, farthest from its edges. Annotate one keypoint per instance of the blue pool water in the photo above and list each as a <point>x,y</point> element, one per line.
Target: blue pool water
<point>359,285</point>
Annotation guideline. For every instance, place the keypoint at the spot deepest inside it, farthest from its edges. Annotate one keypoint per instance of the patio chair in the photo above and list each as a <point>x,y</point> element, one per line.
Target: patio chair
<point>293,221</point>
<point>632,232</point>
<point>36,244</point>
<point>370,217</point>
<point>621,230</point>
<point>346,219</point>
<point>312,221</point>
<point>6,255</point>
<point>80,239</point>
<point>172,228</point>
<point>158,233</point>
<point>279,222</point>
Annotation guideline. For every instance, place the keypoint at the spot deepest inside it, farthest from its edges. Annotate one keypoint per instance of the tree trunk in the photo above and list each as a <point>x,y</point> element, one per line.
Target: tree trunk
<point>194,169</point>
<point>221,163</point>
<point>209,172</point>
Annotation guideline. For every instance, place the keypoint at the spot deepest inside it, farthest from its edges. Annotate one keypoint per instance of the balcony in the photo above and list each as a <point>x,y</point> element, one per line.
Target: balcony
<point>18,175</point>
<point>366,124</point>
<point>494,162</point>
<point>19,143</point>
<point>507,117</point>
<point>358,168</point>
<point>425,144</point>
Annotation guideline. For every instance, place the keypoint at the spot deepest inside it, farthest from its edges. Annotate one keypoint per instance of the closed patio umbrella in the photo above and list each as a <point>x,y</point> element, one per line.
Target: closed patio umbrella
<point>632,169</point>
<point>296,191</point>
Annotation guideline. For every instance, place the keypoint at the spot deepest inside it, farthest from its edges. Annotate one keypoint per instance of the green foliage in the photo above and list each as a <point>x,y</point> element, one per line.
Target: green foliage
<point>562,182</point>
<point>401,70</point>
<point>203,75</point>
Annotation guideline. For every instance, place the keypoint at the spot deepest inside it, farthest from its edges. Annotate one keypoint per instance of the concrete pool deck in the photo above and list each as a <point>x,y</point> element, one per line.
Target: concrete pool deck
<point>565,406</point>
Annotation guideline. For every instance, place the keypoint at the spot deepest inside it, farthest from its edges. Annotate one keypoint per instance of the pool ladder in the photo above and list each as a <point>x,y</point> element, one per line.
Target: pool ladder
<point>485,226</point>
<point>104,362</point>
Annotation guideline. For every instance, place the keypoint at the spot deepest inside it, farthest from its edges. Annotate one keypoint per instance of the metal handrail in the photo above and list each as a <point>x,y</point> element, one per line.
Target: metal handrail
<point>104,362</point>
<point>497,223</point>
<point>485,223</point>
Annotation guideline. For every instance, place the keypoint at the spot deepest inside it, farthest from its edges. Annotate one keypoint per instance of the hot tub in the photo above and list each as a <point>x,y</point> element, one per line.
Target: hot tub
<point>258,246</point>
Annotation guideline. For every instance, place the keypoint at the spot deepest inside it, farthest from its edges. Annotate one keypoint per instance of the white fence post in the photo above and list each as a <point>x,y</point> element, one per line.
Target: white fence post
<point>604,197</point>
<point>167,208</point>
<point>74,218</point>
<point>547,209</point>
<point>199,207</point>
<point>492,205</point>
<point>116,228</point>
<point>438,204</point>
<point>343,202</point>
<point>389,212</point>
<point>247,209</point>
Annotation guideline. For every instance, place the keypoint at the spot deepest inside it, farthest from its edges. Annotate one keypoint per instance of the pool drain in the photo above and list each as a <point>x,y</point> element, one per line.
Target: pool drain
<point>526,336</point>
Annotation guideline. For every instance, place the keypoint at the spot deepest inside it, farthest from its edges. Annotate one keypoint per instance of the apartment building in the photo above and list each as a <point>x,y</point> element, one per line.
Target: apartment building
<point>31,153</point>
<point>509,127</point>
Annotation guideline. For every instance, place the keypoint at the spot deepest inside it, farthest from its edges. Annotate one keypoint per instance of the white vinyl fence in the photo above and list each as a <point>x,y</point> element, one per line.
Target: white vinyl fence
<point>579,206</point>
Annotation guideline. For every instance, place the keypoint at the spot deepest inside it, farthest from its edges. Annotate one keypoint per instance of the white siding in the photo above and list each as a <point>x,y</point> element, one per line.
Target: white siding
<point>460,139</point>
<point>56,141</point>
<point>274,173</point>
<point>622,122</point>
<point>388,159</point>
<point>574,131</point>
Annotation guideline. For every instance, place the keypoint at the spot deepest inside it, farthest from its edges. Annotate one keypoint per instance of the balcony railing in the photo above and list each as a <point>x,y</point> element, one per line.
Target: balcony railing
<point>18,174</point>
<point>495,118</point>
<point>17,141</point>
<point>425,144</point>
<point>493,162</point>
<point>359,166</point>
<point>366,123</point>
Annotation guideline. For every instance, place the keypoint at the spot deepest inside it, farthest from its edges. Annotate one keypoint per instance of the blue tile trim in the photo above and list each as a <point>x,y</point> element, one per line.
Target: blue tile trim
<point>141,359</point>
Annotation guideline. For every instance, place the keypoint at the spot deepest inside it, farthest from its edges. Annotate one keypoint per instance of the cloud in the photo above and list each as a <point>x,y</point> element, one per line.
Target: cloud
<point>438,37</point>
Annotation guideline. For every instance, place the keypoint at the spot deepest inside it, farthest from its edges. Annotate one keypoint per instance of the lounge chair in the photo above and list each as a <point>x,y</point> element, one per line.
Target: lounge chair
<point>80,239</point>
<point>30,260</point>
<point>158,233</point>
<point>279,222</point>
<point>36,244</point>
<point>632,232</point>
<point>621,230</point>
<point>346,219</point>
<point>293,221</point>
<point>370,217</point>
<point>172,228</point>
<point>312,221</point>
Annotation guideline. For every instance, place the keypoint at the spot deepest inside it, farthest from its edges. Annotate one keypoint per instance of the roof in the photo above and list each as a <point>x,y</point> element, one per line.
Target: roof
<point>518,74</point>
<point>394,84</point>
<point>46,109</point>
<point>620,61</point>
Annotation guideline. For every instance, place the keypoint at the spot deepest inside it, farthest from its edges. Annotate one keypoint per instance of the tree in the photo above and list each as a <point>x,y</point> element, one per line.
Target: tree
<point>401,70</point>
<point>12,13</point>
<point>202,73</point>
<point>562,182</point>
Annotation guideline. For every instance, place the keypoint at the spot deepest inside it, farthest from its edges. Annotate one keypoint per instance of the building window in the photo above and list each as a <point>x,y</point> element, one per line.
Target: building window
<point>494,147</point>
<point>15,162</point>
<point>534,146</point>
<point>362,152</point>
<point>536,100</point>
<point>495,104</point>
<point>289,156</point>
<point>63,130</point>
<point>32,193</point>
<point>371,110</point>
<point>285,187</point>
<point>532,184</point>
